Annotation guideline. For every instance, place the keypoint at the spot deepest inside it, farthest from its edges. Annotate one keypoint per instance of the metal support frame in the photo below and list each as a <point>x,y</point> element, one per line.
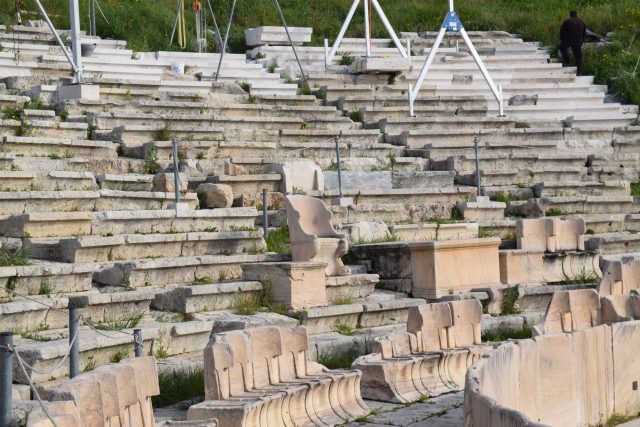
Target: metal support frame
<point>138,349</point>
<point>76,61</point>
<point>452,23</point>
<point>265,213</point>
<point>476,142</point>
<point>6,378</point>
<point>329,55</point>
<point>215,27</point>
<point>176,171</point>
<point>338,163</point>
<point>74,353</point>
<point>284,24</point>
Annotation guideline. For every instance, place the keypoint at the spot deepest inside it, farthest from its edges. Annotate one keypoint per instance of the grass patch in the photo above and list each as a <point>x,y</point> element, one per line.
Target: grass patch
<point>151,165</point>
<point>388,238</point>
<point>10,258</point>
<point>617,419</point>
<point>179,386</point>
<point>125,322</point>
<point>554,212</point>
<point>342,328</point>
<point>635,188</point>
<point>584,277</point>
<point>279,241</point>
<point>118,356</point>
<point>367,418</point>
<point>343,301</point>
<point>336,360</point>
<point>163,134</point>
<point>507,197</point>
<point>518,334</point>
<point>202,281</point>
<point>509,304</point>
<point>247,304</point>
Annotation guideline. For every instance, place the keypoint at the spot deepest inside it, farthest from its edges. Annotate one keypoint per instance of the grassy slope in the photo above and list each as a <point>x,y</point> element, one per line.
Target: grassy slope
<point>147,24</point>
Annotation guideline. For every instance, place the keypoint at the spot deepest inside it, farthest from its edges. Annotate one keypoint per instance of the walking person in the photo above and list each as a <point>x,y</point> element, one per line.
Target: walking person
<point>572,34</point>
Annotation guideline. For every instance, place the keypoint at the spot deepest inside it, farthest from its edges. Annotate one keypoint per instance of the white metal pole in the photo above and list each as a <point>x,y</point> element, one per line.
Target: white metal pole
<point>343,30</point>
<point>450,5</point>
<point>326,53</point>
<point>480,64</point>
<point>425,67</point>
<point>367,29</point>
<point>389,28</point>
<point>44,15</point>
<point>74,15</point>
<point>409,53</point>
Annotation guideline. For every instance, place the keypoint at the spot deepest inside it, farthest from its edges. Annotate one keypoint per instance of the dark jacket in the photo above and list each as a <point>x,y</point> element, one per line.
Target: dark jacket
<point>573,30</point>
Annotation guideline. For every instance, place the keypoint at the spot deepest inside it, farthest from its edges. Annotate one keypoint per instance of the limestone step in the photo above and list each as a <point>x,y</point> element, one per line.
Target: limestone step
<point>341,289</point>
<point>614,243</point>
<point>54,181</point>
<point>441,151</point>
<point>136,246</point>
<point>58,147</point>
<point>363,136</point>
<point>13,203</point>
<point>45,278</point>
<point>183,270</point>
<point>571,205</point>
<point>399,103</point>
<point>392,117</point>
<point>13,101</point>
<point>521,177</point>
<point>270,99</point>
<point>381,308</point>
<point>396,126</point>
<point>254,165</point>
<point>467,164</point>
<point>245,184</point>
<point>34,317</point>
<point>381,180</point>
<point>575,188</point>
<point>463,137</point>
<point>204,297</point>
<point>163,107</point>
<point>437,198</point>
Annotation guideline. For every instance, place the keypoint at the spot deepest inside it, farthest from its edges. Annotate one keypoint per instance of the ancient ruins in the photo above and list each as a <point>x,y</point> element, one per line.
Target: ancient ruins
<point>196,241</point>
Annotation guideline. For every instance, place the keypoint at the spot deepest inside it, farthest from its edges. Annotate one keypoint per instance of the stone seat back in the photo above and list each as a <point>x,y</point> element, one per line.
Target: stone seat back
<point>446,325</point>
<point>620,275</point>
<point>550,234</point>
<point>313,238</point>
<point>115,395</point>
<point>571,311</point>
<point>619,308</point>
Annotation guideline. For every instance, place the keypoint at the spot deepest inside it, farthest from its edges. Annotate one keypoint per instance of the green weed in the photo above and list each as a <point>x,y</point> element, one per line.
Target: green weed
<point>518,334</point>
<point>279,241</point>
<point>342,328</point>
<point>10,258</point>
<point>509,304</point>
<point>335,360</point>
<point>118,356</point>
<point>178,386</point>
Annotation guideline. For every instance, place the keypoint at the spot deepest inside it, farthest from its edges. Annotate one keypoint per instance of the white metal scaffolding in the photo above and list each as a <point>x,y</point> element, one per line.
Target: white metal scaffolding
<point>452,23</point>
<point>330,54</point>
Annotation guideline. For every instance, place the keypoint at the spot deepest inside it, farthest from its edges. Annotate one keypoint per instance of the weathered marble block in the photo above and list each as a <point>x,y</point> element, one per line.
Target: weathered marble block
<point>455,266</point>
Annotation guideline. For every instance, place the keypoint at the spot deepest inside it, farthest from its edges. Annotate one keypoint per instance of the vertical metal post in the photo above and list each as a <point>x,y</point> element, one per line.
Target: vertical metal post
<point>337,138</point>
<point>409,54</point>
<point>215,27</point>
<point>367,29</point>
<point>74,354</point>
<point>343,30</point>
<point>137,334</point>
<point>74,18</point>
<point>293,46</point>
<point>326,53</point>
<point>94,30</point>
<point>265,212</point>
<point>476,141</point>
<point>6,378</point>
<point>226,39</point>
<point>44,15</point>
<point>176,171</point>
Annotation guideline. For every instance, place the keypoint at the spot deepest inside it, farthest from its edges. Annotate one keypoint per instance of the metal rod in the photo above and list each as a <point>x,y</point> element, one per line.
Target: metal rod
<point>483,69</point>
<point>389,28</point>
<point>215,26</point>
<point>343,30</point>
<point>295,53</point>
<point>337,138</point>
<point>425,69</point>
<point>475,144</point>
<point>137,334</point>
<point>265,212</point>
<point>451,6</point>
<point>74,353</point>
<point>175,23</point>
<point>94,30</point>
<point>74,18</point>
<point>367,29</point>
<point>6,378</point>
<point>44,15</point>
<point>226,39</point>
<point>176,172</point>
